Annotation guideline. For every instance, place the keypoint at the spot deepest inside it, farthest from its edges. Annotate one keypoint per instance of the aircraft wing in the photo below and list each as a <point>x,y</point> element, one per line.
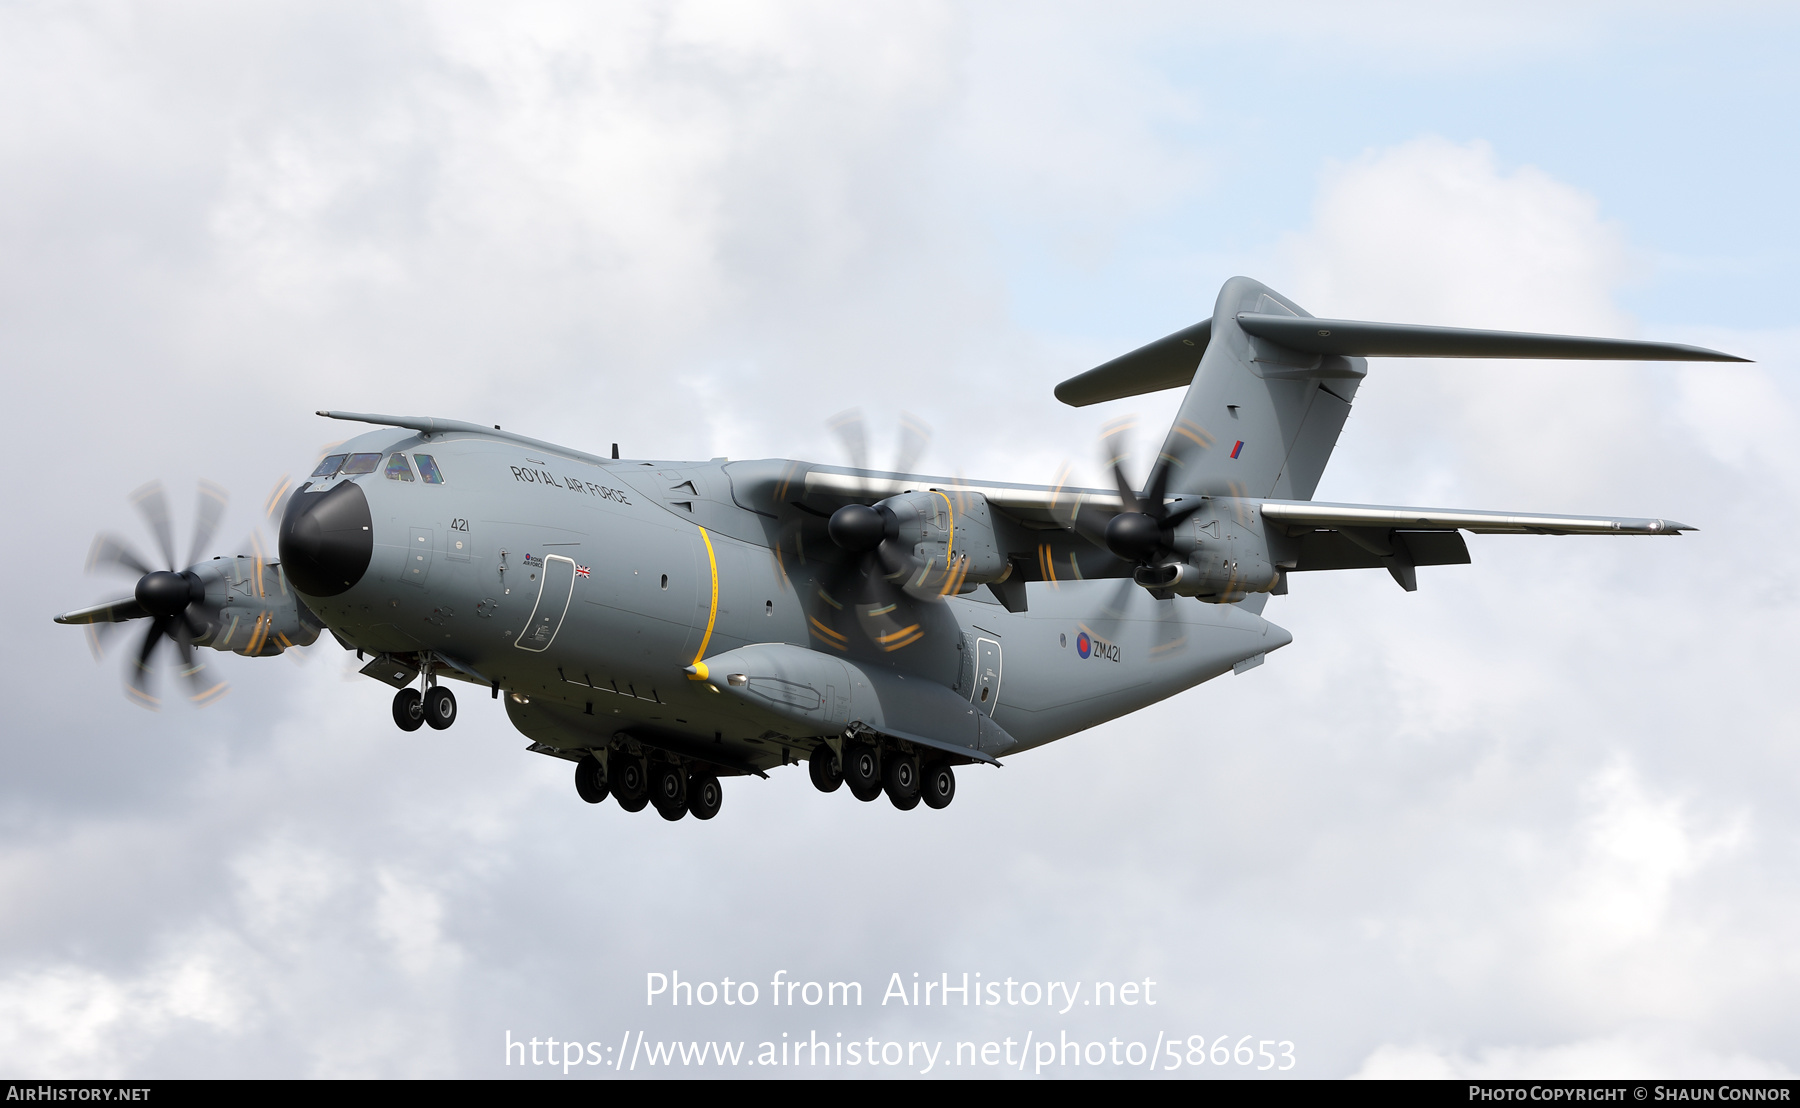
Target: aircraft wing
<point>1397,539</point>
<point>1307,515</point>
<point>113,611</point>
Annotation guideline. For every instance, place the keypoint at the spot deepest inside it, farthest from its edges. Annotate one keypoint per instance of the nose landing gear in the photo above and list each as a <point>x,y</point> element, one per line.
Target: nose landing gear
<point>436,706</point>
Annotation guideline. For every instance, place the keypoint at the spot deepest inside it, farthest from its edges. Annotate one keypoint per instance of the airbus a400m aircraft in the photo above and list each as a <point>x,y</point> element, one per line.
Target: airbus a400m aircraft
<point>666,624</point>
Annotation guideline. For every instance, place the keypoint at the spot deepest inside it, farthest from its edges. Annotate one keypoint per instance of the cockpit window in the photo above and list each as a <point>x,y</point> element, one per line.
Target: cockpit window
<point>361,463</point>
<point>329,466</point>
<point>397,469</point>
<point>428,469</point>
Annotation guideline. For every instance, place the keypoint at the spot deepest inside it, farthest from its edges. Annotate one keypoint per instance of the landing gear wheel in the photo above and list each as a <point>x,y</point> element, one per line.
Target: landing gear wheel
<point>704,795</point>
<point>862,771</point>
<point>440,707</point>
<point>590,779</point>
<point>668,790</point>
<point>900,777</point>
<point>409,713</point>
<point>824,769</point>
<point>630,787</point>
<point>939,785</point>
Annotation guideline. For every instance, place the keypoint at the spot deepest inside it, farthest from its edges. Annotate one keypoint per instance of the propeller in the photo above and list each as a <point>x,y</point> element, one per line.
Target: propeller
<point>167,597</point>
<point>1141,531</point>
<point>871,583</point>
<point>853,432</point>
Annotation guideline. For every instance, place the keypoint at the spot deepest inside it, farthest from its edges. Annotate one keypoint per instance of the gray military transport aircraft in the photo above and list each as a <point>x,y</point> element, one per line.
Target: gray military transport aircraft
<point>665,624</point>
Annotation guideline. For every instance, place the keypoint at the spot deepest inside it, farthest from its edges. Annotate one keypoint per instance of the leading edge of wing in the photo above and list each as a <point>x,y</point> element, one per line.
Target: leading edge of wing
<point>1307,513</point>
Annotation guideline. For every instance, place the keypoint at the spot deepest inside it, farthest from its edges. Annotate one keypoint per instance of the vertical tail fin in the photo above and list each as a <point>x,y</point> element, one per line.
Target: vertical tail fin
<point>1260,419</point>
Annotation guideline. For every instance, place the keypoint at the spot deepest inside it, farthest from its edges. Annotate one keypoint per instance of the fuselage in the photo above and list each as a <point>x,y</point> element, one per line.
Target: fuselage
<point>590,593</point>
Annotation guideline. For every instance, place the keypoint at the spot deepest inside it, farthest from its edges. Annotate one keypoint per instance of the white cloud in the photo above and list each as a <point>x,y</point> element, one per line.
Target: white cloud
<point>1440,228</point>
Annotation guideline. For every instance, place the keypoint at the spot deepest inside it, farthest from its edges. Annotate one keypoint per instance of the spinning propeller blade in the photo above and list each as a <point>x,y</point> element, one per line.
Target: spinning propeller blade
<point>873,583</point>
<point>1140,529</point>
<point>170,599</point>
<point>211,509</point>
<point>154,506</point>
<point>111,552</point>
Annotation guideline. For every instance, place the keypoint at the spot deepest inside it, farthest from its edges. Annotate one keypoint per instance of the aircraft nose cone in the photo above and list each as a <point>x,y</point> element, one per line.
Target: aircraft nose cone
<point>326,540</point>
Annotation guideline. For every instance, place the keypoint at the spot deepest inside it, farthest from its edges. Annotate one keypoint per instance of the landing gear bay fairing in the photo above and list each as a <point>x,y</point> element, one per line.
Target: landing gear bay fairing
<point>663,625</point>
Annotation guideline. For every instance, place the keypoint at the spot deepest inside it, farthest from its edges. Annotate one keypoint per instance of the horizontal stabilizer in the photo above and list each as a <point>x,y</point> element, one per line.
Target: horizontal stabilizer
<point>1308,515</point>
<point>1352,338</point>
<point>1167,363</point>
<point>1170,362</point>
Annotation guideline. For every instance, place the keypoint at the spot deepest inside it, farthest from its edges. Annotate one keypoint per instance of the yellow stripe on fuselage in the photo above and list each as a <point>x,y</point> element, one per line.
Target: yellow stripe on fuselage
<point>712,611</point>
<point>950,540</point>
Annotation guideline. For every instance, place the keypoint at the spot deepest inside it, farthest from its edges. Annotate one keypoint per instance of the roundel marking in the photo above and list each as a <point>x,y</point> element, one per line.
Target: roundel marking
<point>1084,645</point>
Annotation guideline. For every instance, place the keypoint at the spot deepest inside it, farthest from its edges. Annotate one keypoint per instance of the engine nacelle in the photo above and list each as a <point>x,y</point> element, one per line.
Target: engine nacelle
<point>1217,580</point>
<point>1224,559</point>
<point>950,535</point>
<point>250,609</point>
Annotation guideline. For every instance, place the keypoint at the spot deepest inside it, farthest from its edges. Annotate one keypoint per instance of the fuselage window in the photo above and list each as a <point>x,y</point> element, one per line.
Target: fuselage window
<point>361,463</point>
<point>397,469</point>
<point>428,469</point>
<point>329,466</point>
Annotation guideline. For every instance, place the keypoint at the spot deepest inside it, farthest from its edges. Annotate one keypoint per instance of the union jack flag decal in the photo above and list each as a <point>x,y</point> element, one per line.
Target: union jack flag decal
<point>581,571</point>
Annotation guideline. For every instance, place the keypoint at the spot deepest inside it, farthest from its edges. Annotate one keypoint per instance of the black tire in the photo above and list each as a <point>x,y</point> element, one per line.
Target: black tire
<point>704,796</point>
<point>668,789</point>
<point>590,779</point>
<point>864,794</point>
<point>440,707</point>
<point>938,785</point>
<point>409,713</point>
<point>629,783</point>
<point>824,769</point>
<point>862,770</point>
<point>900,777</point>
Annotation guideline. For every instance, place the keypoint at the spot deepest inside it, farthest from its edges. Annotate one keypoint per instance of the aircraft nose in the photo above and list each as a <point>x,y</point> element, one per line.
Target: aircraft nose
<point>326,540</point>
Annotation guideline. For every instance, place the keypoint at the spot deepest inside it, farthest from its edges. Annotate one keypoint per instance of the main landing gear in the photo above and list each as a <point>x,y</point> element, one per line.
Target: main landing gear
<point>437,707</point>
<point>871,770</point>
<point>636,783</point>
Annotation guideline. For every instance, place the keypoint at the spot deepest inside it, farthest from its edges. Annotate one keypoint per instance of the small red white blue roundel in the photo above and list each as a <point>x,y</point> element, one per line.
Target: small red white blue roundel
<point>1084,645</point>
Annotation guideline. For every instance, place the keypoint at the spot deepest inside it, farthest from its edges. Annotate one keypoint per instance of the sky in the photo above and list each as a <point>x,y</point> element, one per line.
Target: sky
<point>1535,819</point>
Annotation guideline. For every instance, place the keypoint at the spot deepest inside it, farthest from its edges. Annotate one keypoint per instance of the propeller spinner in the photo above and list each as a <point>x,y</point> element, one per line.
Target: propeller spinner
<point>1142,532</point>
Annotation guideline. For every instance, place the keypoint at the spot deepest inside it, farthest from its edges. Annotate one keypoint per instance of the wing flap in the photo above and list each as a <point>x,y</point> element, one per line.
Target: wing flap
<point>1325,550</point>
